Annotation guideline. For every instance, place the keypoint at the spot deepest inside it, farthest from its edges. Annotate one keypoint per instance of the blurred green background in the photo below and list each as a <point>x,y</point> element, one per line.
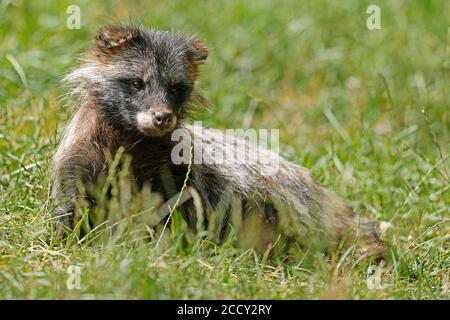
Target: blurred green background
<point>367,111</point>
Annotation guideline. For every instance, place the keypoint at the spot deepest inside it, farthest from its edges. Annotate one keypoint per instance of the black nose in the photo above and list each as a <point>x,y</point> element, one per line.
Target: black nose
<point>162,119</point>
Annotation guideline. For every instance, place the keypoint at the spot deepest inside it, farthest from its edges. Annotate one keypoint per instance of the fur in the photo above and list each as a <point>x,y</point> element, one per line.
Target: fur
<point>165,65</point>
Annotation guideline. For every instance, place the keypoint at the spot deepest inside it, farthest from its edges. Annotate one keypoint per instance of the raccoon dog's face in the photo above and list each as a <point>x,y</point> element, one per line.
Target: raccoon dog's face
<point>142,79</point>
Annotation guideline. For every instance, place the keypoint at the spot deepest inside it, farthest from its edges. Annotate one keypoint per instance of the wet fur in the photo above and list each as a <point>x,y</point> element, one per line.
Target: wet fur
<point>289,201</point>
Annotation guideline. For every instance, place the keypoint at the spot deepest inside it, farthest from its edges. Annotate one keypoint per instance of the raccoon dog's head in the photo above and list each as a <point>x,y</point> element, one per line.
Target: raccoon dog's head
<point>141,79</point>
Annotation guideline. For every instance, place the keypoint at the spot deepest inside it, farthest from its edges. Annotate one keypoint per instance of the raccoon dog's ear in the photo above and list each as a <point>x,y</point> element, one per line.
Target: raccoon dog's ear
<point>199,52</point>
<point>111,38</point>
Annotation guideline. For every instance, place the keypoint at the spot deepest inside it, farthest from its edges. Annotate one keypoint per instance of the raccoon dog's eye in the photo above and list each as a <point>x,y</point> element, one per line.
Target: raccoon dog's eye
<point>136,84</point>
<point>178,88</point>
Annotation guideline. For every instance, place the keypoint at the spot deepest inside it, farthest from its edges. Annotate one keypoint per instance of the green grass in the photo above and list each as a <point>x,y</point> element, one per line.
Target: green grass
<point>368,112</point>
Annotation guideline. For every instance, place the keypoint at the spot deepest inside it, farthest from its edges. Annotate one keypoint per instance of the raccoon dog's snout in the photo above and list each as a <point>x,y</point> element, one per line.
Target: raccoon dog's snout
<point>157,122</point>
<point>162,119</point>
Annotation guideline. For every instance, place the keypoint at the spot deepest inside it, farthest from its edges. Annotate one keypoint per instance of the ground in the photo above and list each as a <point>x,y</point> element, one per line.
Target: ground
<point>367,111</point>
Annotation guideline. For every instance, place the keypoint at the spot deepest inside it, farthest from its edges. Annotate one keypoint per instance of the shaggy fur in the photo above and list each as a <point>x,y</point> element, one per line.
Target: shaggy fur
<point>131,71</point>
